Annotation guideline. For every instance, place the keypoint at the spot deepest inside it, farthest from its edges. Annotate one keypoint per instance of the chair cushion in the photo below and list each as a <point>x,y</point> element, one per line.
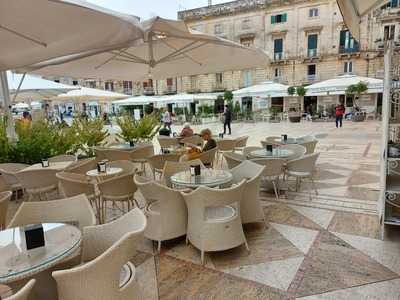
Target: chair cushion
<point>220,213</point>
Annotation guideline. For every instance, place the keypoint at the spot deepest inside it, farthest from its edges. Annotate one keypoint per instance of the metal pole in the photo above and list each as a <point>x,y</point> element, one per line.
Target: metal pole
<point>7,105</point>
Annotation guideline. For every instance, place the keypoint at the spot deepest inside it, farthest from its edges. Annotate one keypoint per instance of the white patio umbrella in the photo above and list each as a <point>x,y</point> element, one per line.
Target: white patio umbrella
<point>338,85</point>
<point>170,49</point>
<point>138,100</point>
<point>35,88</point>
<point>354,10</point>
<point>87,94</point>
<point>264,89</point>
<point>33,31</point>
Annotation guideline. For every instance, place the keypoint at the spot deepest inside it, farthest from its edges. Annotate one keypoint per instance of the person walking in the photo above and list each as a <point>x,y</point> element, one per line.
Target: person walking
<point>227,119</point>
<point>167,119</point>
<point>340,111</point>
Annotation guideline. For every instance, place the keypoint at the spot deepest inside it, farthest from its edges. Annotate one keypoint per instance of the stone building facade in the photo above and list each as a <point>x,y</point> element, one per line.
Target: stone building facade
<point>307,42</point>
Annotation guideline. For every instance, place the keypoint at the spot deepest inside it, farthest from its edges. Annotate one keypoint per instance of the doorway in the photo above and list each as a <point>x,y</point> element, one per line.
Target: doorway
<point>247,104</point>
<point>310,104</point>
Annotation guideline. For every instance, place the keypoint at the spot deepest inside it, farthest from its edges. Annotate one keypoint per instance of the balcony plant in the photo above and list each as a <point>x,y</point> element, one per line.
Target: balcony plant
<point>138,131</point>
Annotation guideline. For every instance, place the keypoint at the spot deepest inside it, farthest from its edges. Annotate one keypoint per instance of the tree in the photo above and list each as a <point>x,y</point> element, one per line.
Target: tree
<point>291,90</point>
<point>356,90</point>
<point>228,96</point>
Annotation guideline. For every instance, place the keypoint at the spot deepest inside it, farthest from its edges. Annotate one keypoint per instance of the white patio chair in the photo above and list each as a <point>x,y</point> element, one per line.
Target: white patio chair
<point>234,159</point>
<point>225,146</point>
<point>250,206</point>
<point>141,154</point>
<point>214,221</point>
<point>4,200</point>
<point>38,183</point>
<point>165,210</point>
<point>8,171</point>
<point>75,210</point>
<point>171,168</point>
<point>241,142</point>
<point>167,142</point>
<point>274,168</point>
<point>106,272</point>
<point>23,294</point>
<point>303,168</point>
<point>298,151</point>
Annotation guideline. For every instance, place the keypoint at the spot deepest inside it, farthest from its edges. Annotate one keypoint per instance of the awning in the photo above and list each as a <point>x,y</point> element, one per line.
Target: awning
<point>266,89</point>
<point>354,10</point>
<point>86,94</point>
<point>338,85</point>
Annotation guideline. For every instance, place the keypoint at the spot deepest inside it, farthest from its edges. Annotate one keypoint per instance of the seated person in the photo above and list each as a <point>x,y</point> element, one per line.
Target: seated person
<point>186,131</point>
<point>207,137</point>
<point>165,131</point>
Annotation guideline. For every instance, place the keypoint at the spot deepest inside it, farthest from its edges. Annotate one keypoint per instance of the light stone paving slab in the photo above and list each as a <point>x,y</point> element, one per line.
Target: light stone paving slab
<point>322,217</point>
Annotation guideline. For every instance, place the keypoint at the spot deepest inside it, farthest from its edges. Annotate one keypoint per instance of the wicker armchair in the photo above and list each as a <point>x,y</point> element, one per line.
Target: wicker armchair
<point>157,162</point>
<point>141,154</point>
<point>303,168</point>
<point>76,210</point>
<point>171,168</point>
<point>225,146</point>
<point>241,142</point>
<point>112,154</point>
<point>106,251</point>
<point>119,189</point>
<point>72,184</point>
<point>8,171</point>
<point>214,221</point>
<point>38,183</point>
<point>234,159</point>
<point>208,157</point>
<point>193,140</point>
<point>62,158</point>
<point>274,168</point>
<point>310,146</point>
<point>250,206</point>
<point>298,151</point>
<point>165,210</point>
<point>23,294</point>
<point>126,165</point>
<point>4,200</point>
<point>82,166</point>
<point>167,142</point>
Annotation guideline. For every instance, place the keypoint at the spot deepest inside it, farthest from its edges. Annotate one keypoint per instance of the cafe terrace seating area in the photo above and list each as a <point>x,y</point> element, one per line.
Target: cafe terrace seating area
<point>145,222</point>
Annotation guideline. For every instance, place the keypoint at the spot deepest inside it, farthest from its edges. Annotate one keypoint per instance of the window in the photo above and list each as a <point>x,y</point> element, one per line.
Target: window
<point>109,86</point>
<point>348,67</point>
<point>75,82</point>
<point>281,18</point>
<point>311,72</point>
<point>170,82</point>
<point>193,82</point>
<point>127,85</point>
<point>347,42</point>
<point>313,13</point>
<point>388,32</point>
<point>218,29</point>
<point>218,78</point>
<point>312,45</point>
<point>248,42</point>
<point>278,49</point>
<point>277,73</point>
<point>394,3</point>
<point>246,24</point>
<point>247,78</point>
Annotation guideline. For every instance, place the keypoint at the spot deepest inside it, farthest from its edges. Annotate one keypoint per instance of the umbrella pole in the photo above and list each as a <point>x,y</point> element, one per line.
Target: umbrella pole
<point>7,105</point>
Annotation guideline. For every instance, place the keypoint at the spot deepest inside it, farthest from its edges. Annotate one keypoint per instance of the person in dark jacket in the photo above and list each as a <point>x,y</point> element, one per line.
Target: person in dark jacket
<point>227,119</point>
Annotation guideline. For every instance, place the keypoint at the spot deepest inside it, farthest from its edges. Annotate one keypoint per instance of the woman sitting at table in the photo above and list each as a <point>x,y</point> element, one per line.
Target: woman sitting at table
<point>206,134</point>
<point>186,131</point>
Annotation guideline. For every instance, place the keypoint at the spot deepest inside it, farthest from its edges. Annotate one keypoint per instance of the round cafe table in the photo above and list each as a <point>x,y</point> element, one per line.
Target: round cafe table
<point>110,171</point>
<point>17,265</point>
<point>289,141</point>
<point>59,166</point>
<point>276,153</point>
<point>208,177</point>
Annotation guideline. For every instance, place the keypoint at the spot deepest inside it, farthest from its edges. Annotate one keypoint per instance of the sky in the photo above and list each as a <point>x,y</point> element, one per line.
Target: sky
<point>149,8</point>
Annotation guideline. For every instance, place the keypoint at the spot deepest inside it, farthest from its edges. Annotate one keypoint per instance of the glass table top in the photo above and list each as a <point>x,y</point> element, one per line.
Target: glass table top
<point>109,171</point>
<point>61,240</point>
<point>208,177</point>
<point>276,153</point>
<point>61,165</point>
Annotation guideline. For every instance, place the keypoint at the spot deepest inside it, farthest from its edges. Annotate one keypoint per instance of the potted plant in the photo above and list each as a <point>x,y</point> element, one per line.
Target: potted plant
<point>356,90</point>
<point>295,111</point>
<point>133,131</point>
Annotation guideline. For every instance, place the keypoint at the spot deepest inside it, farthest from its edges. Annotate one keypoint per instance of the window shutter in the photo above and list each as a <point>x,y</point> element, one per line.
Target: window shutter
<point>272,19</point>
<point>284,17</point>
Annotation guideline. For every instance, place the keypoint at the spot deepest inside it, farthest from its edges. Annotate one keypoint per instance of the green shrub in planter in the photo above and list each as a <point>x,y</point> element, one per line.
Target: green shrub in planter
<point>135,131</point>
<point>5,146</point>
<point>88,134</point>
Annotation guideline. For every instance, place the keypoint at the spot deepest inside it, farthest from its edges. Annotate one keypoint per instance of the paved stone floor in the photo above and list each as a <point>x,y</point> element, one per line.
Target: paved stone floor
<point>326,248</point>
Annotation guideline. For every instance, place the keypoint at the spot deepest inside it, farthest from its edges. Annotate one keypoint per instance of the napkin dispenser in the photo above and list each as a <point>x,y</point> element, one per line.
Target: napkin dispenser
<point>284,137</point>
<point>269,148</point>
<point>34,236</point>
<point>45,163</point>
<point>195,170</point>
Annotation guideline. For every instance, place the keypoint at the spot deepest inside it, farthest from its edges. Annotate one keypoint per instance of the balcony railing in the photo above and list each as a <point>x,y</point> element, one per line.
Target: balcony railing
<point>218,87</point>
<point>278,56</point>
<point>127,91</point>
<point>148,91</point>
<point>170,89</point>
<point>343,49</point>
<point>311,78</point>
<point>312,53</point>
